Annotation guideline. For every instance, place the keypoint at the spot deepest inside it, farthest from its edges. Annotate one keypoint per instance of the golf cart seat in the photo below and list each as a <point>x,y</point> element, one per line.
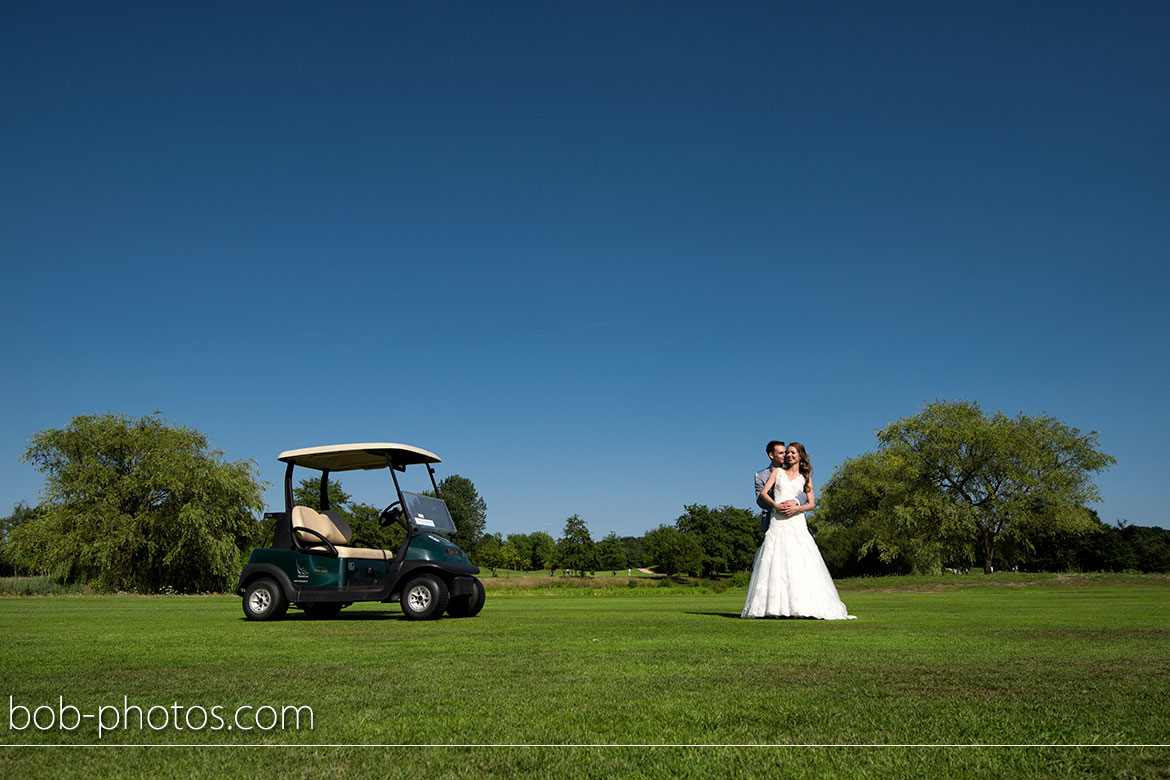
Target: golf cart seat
<point>311,527</point>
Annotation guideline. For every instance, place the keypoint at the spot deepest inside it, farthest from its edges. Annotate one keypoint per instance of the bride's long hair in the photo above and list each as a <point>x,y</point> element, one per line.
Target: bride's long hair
<point>805,465</point>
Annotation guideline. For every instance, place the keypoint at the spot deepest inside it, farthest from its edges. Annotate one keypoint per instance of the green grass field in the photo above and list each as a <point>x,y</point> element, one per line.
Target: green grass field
<point>1006,660</point>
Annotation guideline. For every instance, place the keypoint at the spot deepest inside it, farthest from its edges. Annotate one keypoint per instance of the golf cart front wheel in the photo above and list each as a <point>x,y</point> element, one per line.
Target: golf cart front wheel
<point>264,600</point>
<point>424,598</point>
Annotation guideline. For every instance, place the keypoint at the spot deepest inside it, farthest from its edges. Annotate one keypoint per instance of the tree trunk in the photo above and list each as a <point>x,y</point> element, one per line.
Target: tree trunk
<point>988,553</point>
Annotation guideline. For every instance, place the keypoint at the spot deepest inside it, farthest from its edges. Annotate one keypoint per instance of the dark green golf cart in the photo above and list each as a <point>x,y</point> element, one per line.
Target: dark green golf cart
<point>312,566</point>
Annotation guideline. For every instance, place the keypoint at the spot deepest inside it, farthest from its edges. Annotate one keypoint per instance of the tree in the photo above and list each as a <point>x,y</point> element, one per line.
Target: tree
<point>366,522</point>
<point>308,493</point>
<point>879,505</point>
<point>952,471</point>
<point>576,546</point>
<point>468,510</point>
<point>635,554</point>
<point>489,554</point>
<point>847,551</point>
<point>1150,546</point>
<point>523,545</point>
<point>673,551</point>
<point>138,504</point>
<point>509,556</point>
<point>544,551</point>
<point>610,553</point>
<point>1107,550</point>
<point>1101,548</point>
<point>10,555</point>
<point>726,535</point>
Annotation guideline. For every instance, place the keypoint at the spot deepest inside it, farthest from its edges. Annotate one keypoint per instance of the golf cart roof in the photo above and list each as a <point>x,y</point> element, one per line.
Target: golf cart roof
<point>349,457</point>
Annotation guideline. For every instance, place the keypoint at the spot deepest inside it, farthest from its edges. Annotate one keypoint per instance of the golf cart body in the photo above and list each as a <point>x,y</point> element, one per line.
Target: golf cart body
<point>313,565</point>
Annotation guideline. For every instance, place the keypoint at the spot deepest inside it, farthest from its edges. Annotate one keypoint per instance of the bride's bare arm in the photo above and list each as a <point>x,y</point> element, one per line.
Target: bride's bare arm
<point>766,491</point>
<point>812,501</point>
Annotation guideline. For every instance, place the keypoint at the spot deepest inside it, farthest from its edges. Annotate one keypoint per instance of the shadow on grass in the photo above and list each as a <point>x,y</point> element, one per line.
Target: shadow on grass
<point>343,616</point>
<point>737,616</point>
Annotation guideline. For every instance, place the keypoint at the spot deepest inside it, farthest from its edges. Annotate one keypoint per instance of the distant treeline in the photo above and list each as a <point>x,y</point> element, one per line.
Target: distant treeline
<point>709,542</point>
<point>1116,548</point>
<point>141,504</point>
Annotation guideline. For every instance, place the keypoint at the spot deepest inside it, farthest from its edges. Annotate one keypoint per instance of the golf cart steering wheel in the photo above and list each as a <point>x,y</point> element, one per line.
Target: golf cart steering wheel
<point>390,515</point>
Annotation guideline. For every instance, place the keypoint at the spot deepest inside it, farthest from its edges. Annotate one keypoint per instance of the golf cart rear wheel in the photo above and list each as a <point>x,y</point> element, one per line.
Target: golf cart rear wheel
<point>322,611</point>
<point>424,598</point>
<point>264,600</point>
<point>469,605</point>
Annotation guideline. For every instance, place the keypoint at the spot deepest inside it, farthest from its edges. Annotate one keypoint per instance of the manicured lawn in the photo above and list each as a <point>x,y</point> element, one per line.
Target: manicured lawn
<point>1044,661</point>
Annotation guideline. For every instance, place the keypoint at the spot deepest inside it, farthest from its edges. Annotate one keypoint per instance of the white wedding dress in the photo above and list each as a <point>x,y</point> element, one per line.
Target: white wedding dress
<point>789,577</point>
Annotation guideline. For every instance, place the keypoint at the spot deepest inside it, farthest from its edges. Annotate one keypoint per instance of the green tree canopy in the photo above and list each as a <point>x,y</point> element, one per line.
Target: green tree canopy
<point>880,502</point>
<point>1149,546</point>
<point>510,556</point>
<point>544,551</point>
<point>468,510</point>
<point>727,536</point>
<point>308,493</point>
<point>138,504</point>
<point>673,551</point>
<point>523,545</point>
<point>635,554</point>
<point>490,553</point>
<point>9,555</point>
<point>365,520</point>
<point>953,473</point>
<point>576,547</point>
<point>610,553</point>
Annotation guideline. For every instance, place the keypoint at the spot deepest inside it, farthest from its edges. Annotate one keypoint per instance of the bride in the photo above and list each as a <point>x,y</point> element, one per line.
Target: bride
<point>789,577</point>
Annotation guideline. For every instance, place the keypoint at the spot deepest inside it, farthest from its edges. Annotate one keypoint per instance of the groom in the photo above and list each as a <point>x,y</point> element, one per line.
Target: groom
<point>775,452</point>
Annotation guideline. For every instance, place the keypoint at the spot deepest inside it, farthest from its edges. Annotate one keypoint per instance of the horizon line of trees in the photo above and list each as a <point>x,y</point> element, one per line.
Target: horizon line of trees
<point>141,504</point>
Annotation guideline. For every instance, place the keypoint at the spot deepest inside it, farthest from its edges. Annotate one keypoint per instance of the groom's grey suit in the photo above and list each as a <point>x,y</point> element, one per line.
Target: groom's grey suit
<point>761,480</point>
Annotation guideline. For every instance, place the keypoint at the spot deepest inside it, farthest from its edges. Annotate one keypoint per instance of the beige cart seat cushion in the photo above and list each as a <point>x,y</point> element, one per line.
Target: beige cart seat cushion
<point>333,527</point>
<point>364,553</point>
<point>342,526</point>
<point>304,517</point>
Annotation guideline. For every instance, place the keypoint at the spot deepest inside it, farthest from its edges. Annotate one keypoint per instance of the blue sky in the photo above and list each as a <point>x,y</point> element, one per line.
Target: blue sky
<point>594,255</point>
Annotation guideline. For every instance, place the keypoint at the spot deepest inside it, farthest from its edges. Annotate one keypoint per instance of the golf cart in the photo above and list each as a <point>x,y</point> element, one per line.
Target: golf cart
<point>312,566</point>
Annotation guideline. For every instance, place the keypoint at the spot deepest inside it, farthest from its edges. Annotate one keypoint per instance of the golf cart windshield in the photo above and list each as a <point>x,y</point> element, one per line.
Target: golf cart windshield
<point>427,513</point>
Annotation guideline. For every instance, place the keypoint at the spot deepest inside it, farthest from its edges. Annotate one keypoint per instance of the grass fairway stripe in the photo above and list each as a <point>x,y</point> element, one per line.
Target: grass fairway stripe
<point>1074,661</point>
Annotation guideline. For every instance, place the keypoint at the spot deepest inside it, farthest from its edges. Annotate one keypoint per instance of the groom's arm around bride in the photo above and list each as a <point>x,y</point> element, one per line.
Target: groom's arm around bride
<point>776,454</point>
